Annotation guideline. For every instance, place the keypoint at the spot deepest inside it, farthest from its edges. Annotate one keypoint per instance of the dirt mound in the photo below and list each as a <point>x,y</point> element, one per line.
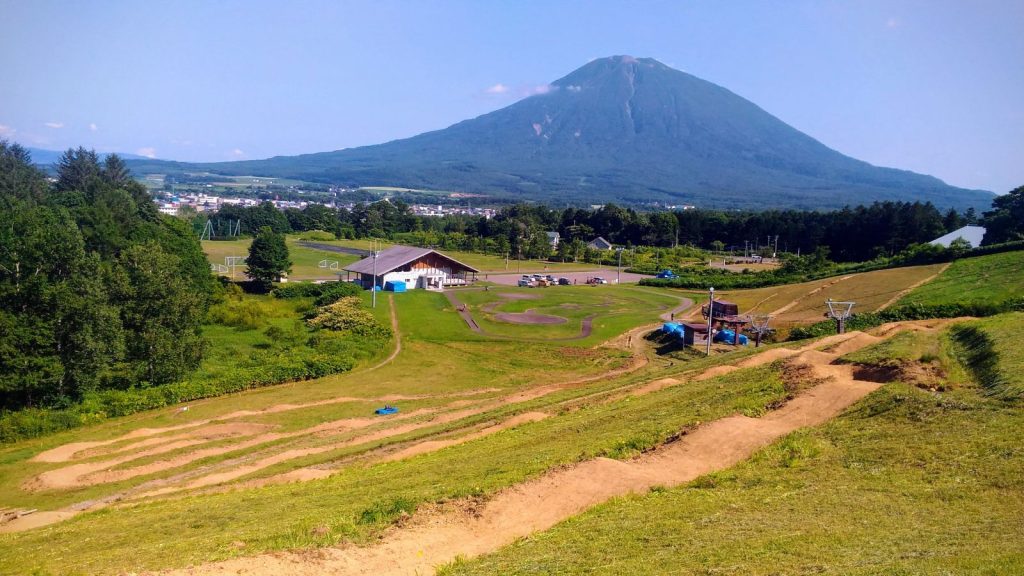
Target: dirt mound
<point>856,342</point>
<point>529,317</point>
<point>434,445</point>
<point>715,372</point>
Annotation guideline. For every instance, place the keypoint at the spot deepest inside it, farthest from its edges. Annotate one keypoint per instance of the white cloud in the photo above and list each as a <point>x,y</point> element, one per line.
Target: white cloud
<point>147,152</point>
<point>498,88</point>
<point>237,153</point>
<point>6,131</point>
<point>54,124</point>
<point>93,127</point>
<point>540,89</point>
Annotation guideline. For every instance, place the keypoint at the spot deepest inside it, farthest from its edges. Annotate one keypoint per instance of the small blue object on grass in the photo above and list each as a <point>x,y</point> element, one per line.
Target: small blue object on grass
<point>386,410</point>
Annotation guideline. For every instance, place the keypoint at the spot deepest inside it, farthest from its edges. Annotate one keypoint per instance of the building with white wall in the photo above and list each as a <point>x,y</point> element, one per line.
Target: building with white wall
<point>416,267</point>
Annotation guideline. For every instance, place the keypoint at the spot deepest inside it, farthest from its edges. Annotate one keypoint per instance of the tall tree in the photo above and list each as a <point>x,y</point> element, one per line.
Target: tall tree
<point>268,258</point>
<point>161,314</point>
<point>1005,222</point>
<point>77,169</point>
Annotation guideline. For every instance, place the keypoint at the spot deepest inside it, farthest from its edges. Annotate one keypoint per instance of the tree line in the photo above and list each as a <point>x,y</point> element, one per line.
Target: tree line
<point>98,290</point>
<point>853,234</point>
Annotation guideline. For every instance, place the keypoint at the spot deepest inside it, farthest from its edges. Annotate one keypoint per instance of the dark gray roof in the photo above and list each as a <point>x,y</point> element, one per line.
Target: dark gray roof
<point>396,257</point>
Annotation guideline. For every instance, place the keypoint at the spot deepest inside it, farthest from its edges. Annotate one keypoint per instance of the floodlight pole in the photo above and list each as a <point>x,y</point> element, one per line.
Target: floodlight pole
<point>618,269</point>
<point>711,313</point>
<point>374,287</point>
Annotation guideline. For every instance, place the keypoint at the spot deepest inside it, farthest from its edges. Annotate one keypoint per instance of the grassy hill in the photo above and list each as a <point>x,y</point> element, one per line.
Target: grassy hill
<point>908,482</point>
<point>991,278</point>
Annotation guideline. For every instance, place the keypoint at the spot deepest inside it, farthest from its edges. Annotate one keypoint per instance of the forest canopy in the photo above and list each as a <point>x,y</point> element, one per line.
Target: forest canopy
<point>98,290</point>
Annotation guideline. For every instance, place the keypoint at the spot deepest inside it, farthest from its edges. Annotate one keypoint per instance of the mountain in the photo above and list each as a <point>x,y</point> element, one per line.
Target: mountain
<point>623,129</point>
<point>44,157</point>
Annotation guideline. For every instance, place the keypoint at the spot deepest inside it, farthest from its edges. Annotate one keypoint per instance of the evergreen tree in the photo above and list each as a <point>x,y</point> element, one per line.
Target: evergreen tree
<point>1005,222</point>
<point>268,258</point>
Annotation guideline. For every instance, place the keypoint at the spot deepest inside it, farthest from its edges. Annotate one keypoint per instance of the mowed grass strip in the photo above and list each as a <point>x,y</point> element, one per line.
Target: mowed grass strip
<point>179,532</point>
<point>906,482</point>
<point>992,278</point>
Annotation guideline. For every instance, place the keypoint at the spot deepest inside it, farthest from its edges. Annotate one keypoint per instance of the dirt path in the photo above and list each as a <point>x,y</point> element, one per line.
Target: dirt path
<point>438,538</point>
<point>395,331</point>
<point>911,288</point>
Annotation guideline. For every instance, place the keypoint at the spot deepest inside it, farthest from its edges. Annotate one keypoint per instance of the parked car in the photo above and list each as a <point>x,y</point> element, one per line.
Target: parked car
<point>600,280</point>
<point>525,283</point>
<point>666,274</point>
<point>564,282</point>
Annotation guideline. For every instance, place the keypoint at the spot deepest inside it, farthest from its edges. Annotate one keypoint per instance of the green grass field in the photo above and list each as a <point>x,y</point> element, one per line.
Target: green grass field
<point>305,261</point>
<point>489,263</point>
<point>991,278</point>
<point>613,310</point>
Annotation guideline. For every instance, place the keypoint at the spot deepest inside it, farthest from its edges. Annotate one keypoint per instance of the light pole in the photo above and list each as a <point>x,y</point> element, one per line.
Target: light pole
<point>374,287</point>
<point>618,269</point>
<point>711,313</point>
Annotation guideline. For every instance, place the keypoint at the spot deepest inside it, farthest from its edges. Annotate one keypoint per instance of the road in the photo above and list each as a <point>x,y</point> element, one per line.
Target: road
<point>580,277</point>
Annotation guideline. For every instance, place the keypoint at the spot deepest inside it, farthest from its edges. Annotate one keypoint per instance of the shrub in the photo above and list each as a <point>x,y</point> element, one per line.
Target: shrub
<point>316,235</point>
<point>325,293</point>
<point>348,315</point>
<point>244,314</point>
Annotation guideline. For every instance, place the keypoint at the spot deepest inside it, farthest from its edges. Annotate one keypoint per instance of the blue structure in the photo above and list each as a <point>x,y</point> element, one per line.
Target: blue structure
<point>666,274</point>
<point>394,286</point>
<point>386,410</point>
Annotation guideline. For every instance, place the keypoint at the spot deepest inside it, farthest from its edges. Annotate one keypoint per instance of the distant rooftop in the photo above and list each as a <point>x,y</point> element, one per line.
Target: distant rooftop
<point>973,234</point>
<point>396,257</point>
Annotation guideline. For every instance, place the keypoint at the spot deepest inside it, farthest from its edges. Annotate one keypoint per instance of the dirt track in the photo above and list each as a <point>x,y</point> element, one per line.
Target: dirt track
<point>438,538</point>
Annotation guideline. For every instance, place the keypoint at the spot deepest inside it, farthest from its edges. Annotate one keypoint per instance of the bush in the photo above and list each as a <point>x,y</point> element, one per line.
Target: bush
<point>244,314</point>
<point>348,315</point>
<point>325,293</point>
<point>316,235</point>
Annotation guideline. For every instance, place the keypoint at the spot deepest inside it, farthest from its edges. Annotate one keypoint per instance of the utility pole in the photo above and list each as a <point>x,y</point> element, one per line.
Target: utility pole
<point>711,314</point>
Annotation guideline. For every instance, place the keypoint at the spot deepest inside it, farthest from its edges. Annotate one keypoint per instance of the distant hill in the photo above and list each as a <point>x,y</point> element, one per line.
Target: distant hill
<point>46,157</point>
<point>618,129</point>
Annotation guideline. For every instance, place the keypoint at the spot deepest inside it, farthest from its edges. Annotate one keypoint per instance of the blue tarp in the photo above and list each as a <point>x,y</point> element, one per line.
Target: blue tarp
<point>672,328</point>
<point>394,286</point>
<point>728,336</point>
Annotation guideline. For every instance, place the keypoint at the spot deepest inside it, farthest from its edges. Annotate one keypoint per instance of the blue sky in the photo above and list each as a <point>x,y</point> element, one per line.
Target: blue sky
<point>932,86</point>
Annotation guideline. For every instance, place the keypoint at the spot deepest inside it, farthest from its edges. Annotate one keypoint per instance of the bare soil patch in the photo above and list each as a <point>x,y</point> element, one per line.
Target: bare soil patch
<point>529,317</point>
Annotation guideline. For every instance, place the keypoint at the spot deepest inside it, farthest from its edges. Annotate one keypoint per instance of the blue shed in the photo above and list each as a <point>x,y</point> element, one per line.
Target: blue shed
<point>394,286</point>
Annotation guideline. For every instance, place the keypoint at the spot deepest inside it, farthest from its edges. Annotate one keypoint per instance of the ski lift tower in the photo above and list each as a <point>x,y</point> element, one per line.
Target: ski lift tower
<point>759,326</point>
<point>840,312</point>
